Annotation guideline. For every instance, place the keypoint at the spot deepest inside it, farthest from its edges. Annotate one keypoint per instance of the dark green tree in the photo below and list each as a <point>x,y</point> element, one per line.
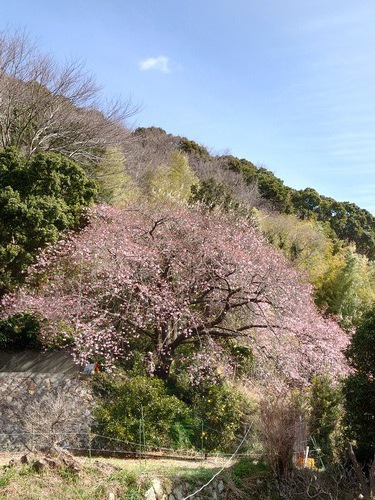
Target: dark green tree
<point>325,417</point>
<point>359,389</point>
<point>39,198</point>
<point>306,203</point>
<point>190,147</point>
<point>273,189</point>
<point>21,331</point>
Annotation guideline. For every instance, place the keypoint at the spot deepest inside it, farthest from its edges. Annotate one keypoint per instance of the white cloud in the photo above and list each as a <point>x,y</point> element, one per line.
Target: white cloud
<point>160,63</point>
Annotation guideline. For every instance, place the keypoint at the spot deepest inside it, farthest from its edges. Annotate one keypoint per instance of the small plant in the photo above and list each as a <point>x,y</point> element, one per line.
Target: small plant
<point>325,421</point>
<point>7,473</point>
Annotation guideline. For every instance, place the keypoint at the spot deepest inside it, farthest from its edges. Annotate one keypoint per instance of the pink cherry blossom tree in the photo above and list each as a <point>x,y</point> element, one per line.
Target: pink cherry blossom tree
<point>170,276</point>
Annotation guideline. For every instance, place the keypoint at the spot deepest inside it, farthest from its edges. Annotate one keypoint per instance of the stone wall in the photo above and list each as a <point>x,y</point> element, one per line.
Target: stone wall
<point>180,490</point>
<point>27,399</point>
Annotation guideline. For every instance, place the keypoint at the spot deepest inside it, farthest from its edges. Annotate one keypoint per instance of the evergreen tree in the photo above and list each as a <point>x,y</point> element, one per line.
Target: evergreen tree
<point>359,389</point>
<point>325,417</point>
<point>39,198</point>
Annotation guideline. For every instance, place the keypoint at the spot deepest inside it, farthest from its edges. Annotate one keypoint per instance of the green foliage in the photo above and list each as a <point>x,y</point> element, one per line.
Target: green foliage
<point>220,410</point>
<point>213,195</point>
<point>126,401</point>
<point>361,352</point>
<point>326,416</point>
<point>217,195</point>
<point>39,198</point>
<point>343,280</point>
<point>245,167</point>
<point>174,415</point>
<point>348,288</point>
<point>247,468</point>
<point>220,196</point>
<point>303,242</point>
<point>115,186</point>
<point>7,474</point>
<point>351,223</point>
<point>191,147</point>
<point>174,179</point>
<point>270,187</point>
<point>21,331</point>
<point>273,189</point>
<point>348,222</point>
<point>306,203</point>
<point>359,389</point>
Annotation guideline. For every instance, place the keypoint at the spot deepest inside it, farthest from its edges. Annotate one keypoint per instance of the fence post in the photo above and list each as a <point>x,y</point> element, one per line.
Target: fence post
<point>32,438</point>
<point>142,438</point>
<point>202,440</point>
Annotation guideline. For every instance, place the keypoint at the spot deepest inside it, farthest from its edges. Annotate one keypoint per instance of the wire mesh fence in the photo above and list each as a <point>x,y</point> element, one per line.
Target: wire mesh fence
<point>92,444</point>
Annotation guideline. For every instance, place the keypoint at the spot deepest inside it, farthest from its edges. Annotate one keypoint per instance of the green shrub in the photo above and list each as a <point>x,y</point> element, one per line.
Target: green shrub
<point>128,404</point>
<point>325,422</point>
<point>220,410</point>
<point>169,415</point>
<point>21,331</point>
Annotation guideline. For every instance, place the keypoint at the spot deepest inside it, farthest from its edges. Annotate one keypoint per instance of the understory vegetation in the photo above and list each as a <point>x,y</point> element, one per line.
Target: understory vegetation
<point>228,313</point>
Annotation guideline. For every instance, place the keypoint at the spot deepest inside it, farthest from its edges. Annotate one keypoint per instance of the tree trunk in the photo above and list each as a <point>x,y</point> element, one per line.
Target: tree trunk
<point>163,365</point>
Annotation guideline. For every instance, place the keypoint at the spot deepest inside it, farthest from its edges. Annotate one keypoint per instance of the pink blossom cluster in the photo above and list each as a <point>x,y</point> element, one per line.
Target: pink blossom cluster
<point>177,276</point>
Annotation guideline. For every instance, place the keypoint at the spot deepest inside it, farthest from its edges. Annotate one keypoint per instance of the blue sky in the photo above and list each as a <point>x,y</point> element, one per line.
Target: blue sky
<point>289,85</point>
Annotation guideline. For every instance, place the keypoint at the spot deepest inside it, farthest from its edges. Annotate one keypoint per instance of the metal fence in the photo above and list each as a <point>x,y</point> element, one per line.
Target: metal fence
<point>93,444</point>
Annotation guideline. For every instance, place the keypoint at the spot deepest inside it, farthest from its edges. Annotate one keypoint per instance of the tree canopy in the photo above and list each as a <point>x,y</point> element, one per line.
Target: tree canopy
<point>39,198</point>
<point>166,279</point>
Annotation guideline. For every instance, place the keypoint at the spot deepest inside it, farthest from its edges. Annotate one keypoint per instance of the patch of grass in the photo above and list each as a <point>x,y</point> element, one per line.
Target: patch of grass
<point>6,475</point>
<point>199,474</point>
<point>250,468</point>
<point>67,474</point>
<point>124,477</point>
<point>127,479</point>
<point>247,472</point>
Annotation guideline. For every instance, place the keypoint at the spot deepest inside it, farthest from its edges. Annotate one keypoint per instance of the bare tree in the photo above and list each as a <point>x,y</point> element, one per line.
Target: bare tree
<point>47,419</point>
<point>336,482</point>
<point>241,191</point>
<point>56,420</point>
<point>148,149</point>
<point>51,107</point>
<point>367,482</point>
<point>279,416</point>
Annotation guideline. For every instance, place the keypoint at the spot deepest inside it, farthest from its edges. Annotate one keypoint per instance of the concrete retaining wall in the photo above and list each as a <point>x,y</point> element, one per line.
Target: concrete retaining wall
<point>58,362</point>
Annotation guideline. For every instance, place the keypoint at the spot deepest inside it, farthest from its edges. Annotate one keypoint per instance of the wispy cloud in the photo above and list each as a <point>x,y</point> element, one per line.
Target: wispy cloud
<point>160,63</point>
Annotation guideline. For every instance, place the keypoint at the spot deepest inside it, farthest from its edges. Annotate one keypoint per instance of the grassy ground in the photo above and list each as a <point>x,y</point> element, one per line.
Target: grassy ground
<point>126,479</point>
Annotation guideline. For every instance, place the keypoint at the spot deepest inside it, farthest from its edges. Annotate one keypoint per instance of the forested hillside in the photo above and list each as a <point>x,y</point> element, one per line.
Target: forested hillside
<point>200,283</point>
<point>349,222</point>
<point>332,242</point>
